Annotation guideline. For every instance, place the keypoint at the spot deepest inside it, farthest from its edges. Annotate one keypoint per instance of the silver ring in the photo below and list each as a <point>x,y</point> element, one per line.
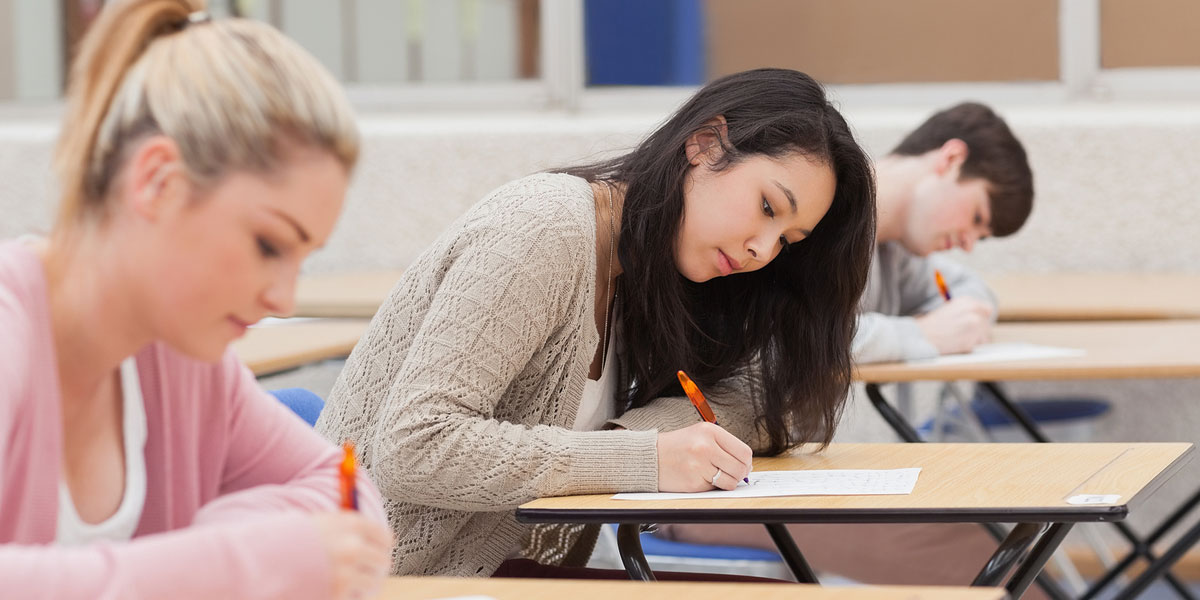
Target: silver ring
<point>716,477</point>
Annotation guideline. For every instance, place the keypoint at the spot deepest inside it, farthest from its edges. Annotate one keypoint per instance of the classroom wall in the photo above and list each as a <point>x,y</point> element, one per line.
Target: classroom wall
<point>1116,185</point>
<point>1116,191</point>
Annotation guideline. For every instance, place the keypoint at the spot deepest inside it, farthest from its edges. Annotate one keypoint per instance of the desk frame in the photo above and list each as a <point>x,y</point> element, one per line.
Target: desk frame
<point>1024,550</point>
<point>1159,565</point>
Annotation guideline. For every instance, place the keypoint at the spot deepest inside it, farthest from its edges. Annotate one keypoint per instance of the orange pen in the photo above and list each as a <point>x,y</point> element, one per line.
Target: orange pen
<point>693,394</point>
<point>941,283</point>
<point>347,476</point>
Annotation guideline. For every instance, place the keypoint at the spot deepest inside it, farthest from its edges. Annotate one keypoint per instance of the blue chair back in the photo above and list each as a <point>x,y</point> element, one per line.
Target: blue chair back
<point>302,402</point>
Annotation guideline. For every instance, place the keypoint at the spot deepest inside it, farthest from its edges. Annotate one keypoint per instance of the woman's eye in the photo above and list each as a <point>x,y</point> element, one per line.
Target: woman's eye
<point>766,208</point>
<point>978,218</point>
<point>266,249</point>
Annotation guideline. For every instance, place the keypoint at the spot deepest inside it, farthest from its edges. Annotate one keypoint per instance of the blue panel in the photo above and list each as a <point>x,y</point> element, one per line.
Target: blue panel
<point>644,42</point>
<point>653,545</point>
<point>302,402</point>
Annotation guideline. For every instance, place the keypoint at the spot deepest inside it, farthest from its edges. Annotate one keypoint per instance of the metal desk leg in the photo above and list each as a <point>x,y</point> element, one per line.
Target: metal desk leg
<point>1160,566</point>
<point>906,432</point>
<point>629,543</point>
<point>1011,549</point>
<point>888,412</point>
<point>791,553</point>
<point>1031,567</point>
<point>1140,547</point>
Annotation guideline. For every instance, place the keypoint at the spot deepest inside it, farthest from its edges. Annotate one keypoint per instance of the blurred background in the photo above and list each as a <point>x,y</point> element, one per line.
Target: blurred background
<point>552,53</point>
<point>456,97</point>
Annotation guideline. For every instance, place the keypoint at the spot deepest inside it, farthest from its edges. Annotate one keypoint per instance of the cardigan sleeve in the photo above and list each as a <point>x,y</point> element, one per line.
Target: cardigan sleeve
<point>438,440</point>
<point>273,460</point>
<point>732,405</point>
<point>268,557</point>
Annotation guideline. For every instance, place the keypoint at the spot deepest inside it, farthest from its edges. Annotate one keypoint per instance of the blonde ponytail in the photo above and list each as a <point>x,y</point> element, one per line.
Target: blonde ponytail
<point>233,94</point>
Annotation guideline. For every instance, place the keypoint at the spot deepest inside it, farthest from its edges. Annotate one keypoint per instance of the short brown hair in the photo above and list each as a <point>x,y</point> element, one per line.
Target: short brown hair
<point>993,154</point>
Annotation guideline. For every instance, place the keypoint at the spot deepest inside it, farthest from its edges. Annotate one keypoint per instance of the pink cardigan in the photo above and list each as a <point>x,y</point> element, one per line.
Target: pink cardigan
<point>230,475</point>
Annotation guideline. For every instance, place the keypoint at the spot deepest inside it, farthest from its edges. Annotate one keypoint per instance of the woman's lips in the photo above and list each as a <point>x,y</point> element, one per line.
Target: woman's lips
<point>725,264</point>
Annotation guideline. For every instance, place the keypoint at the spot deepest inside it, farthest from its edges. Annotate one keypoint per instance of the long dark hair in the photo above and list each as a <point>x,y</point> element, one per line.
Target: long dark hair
<point>786,327</point>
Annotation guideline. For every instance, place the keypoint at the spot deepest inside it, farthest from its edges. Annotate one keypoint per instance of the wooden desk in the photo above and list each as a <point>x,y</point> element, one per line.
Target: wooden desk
<point>429,588</point>
<point>996,483</point>
<point>1096,296</point>
<point>344,294</point>
<point>273,348</point>
<point>1115,350</point>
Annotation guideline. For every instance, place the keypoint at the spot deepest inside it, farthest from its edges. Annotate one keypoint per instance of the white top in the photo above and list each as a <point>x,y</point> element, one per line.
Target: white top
<point>597,406</point>
<point>120,526</point>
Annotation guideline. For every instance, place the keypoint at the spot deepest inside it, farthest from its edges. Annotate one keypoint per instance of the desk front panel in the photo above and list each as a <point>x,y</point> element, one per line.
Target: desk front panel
<point>344,294</point>
<point>429,588</point>
<point>273,348</point>
<point>1096,296</point>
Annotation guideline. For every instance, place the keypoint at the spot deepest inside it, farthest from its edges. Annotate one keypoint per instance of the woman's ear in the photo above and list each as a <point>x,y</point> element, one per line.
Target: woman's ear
<point>154,177</point>
<point>706,144</point>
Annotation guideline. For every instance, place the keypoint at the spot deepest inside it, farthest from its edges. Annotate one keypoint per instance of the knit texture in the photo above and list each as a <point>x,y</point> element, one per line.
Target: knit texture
<point>461,392</point>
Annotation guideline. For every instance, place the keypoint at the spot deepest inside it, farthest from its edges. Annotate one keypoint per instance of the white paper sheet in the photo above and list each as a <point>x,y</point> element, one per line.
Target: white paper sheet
<point>826,482</point>
<point>1001,352</point>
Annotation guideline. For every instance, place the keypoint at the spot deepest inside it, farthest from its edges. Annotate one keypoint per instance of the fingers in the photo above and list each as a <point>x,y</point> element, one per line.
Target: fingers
<point>360,551</point>
<point>737,450</point>
<point>727,453</point>
<point>689,459</point>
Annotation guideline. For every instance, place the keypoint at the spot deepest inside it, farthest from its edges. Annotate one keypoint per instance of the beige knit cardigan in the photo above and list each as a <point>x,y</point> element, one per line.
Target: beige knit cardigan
<point>462,391</point>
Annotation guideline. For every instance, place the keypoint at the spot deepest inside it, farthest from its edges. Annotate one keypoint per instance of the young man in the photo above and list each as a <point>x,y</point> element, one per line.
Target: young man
<point>958,178</point>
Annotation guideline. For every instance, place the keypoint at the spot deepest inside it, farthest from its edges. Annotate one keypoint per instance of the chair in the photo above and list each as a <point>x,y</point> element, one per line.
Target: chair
<point>302,402</point>
<point>668,555</point>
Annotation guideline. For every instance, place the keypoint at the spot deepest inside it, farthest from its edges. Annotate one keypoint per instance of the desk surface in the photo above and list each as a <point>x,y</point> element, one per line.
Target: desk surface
<point>427,588</point>
<point>1096,296</point>
<point>958,483</point>
<point>1114,350</point>
<point>274,348</point>
<point>344,294</point>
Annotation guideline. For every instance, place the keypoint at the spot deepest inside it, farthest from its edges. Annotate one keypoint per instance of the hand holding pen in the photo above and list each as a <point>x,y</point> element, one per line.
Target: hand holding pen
<point>956,325</point>
<point>359,548</point>
<point>701,457</point>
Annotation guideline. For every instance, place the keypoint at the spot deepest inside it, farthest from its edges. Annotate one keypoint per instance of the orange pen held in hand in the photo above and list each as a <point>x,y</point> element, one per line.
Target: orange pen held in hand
<point>346,476</point>
<point>693,394</point>
<point>941,283</point>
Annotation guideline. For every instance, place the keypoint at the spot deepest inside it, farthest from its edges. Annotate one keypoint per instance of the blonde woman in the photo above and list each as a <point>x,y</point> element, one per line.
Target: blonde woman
<point>200,162</point>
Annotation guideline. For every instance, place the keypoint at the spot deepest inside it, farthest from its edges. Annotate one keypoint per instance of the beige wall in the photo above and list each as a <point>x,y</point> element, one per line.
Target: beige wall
<point>878,41</point>
<point>1149,33</point>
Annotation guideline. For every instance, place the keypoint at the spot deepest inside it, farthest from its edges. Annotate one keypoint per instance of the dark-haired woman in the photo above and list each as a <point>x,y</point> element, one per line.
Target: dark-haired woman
<point>532,350</point>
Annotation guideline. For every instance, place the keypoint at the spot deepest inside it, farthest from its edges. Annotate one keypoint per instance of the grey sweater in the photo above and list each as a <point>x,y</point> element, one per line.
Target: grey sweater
<point>900,286</point>
<point>461,392</point>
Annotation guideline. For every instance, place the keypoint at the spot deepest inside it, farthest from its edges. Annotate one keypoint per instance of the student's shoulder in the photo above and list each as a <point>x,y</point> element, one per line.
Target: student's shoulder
<point>894,258</point>
<point>554,201</point>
